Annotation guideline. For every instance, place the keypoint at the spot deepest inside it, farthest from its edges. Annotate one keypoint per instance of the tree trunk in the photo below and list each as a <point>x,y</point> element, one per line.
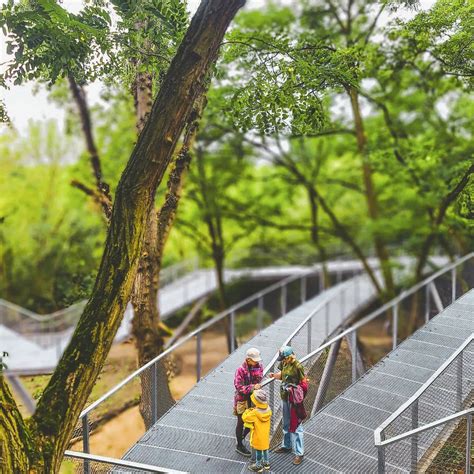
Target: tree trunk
<point>313,204</point>
<point>102,194</point>
<point>370,194</point>
<point>58,409</point>
<point>149,338</point>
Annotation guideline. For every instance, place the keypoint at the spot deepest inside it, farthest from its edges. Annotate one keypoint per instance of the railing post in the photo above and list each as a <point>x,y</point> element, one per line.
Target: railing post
<point>357,290</point>
<point>309,336</point>
<point>468,442</point>
<point>272,398</point>
<point>343,303</point>
<point>85,442</point>
<point>414,438</point>
<point>303,289</point>
<point>232,331</point>
<point>453,283</point>
<point>283,300</point>
<point>381,459</point>
<point>338,274</point>
<point>326,317</point>
<point>427,303</point>
<point>154,394</point>
<point>459,375</point>
<point>260,312</point>
<point>394,326</point>
<point>198,356</point>
<point>354,355</point>
<point>321,280</point>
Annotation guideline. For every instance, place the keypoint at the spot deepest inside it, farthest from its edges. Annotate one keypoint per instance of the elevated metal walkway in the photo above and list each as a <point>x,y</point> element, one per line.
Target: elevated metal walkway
<point>35,342</point>
<point>340,437</point>
<point>197,434</point>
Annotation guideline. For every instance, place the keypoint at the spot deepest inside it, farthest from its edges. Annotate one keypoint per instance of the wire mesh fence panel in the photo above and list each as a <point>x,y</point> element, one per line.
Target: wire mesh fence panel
<point>443,448</point>
<point>452,390</point>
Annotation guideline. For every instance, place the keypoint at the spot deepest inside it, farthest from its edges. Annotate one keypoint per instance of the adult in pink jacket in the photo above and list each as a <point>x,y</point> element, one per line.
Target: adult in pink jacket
<point>247,378</point>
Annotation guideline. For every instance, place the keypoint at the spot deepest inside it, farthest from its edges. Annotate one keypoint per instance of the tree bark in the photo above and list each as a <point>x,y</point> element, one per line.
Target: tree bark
<point>370,194</point>
<point>59,407</point>
<point>102,195</point>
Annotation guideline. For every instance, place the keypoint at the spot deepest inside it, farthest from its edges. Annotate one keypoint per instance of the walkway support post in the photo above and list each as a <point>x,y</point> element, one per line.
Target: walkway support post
<point>354,355</point>
<point>303,289</point>
<point>414,438</point>
<point>308,349</point>
<point>326,317</point>
<point>154,394</point>
<point>198,356</point>
<point>394,326</point>
<point>468,442</point>
<point>453,283</point>
<point>283,300</point>
<point>427,304</point>
<point>260,313</point>
<point>85,442</point>
<point>232,331</point>
<point>459,375</point>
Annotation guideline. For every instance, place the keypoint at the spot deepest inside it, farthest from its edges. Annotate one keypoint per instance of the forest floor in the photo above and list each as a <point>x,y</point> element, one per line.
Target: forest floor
<point>122,407</point>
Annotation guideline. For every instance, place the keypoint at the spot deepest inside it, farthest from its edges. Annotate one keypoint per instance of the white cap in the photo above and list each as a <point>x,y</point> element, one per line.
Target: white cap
<point>253,354</point>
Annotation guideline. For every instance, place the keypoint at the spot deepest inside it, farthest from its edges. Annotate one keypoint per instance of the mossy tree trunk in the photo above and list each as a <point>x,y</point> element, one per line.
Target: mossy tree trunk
<point>40,444</point>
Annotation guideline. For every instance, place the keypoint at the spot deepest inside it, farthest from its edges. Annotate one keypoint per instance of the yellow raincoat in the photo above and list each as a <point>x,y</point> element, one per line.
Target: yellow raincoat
<point>258,420</point>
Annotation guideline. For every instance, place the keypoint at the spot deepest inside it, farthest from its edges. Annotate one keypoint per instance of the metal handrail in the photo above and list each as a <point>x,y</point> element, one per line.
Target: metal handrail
<point>201,328</point>
<point>426,427</point>
<point>378,432</point>
<point>389,305</point>
<point>120,462</point>
<point>303,323</point>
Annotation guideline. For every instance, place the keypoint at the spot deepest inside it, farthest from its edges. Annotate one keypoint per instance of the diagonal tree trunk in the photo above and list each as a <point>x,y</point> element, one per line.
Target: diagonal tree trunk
<point>39,445</point>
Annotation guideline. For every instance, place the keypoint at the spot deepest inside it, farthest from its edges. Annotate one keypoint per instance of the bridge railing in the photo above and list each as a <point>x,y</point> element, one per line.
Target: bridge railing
<point>338,363</point>
<point>221,334</point>
<point>416,434</point>
<point>74,461</point>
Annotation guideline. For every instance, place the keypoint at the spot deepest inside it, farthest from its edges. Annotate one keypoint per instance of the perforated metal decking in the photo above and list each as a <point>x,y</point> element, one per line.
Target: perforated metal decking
<point>197,435</point>
<point>341,436</point>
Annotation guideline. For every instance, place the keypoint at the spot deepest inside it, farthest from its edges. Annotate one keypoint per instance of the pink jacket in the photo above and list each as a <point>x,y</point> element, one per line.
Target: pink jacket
<point>244,380</point>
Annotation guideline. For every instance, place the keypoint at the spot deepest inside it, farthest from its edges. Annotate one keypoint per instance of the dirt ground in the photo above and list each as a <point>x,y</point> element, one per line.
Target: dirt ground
<point>117,435</point>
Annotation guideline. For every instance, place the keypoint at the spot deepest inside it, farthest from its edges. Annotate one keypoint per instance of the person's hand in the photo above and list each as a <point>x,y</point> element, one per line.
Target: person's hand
<point>271,375</point>
<point>257,386</point>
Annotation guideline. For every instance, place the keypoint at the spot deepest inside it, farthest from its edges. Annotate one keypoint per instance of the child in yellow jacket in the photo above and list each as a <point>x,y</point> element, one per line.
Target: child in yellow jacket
<point>258,420</point>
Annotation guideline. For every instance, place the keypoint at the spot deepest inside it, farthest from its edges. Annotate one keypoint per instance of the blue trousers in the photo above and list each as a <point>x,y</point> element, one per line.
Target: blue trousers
<point>261,456</point>
<point>293,441</point>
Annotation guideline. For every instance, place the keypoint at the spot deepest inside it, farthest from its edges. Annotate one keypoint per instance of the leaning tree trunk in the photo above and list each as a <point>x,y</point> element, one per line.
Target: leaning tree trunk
<point>370,194</point>
<point>39,444</point>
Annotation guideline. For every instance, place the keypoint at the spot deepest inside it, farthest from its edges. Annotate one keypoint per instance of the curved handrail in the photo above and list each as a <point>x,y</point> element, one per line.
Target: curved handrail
<point>389,305</point>
<point>378,431</point>
<point>220,316</point>
<point>372,315</point>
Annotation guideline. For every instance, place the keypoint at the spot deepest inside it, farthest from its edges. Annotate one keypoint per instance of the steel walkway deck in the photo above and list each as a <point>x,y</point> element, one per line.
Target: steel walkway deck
<point>197,435</point>
<point>340,438</point>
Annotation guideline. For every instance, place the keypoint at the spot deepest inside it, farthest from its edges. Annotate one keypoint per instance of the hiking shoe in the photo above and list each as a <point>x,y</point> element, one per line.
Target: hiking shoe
<point>298,460</point>
<point>282,449</point>
<point>266,466</point>
<point>241,449</point>
<point>255,468</point>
